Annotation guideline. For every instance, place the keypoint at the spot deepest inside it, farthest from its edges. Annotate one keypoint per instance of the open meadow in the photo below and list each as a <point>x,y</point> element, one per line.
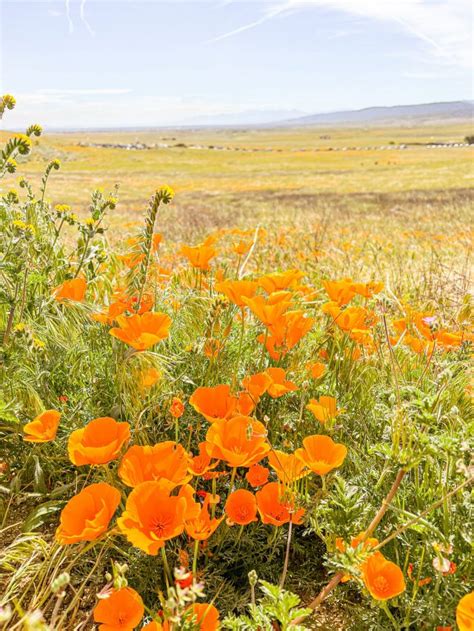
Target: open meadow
<point>236,392</point>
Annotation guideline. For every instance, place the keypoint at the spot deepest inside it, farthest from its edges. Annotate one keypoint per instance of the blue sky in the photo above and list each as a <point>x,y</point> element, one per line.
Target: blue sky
<point>84,63</point>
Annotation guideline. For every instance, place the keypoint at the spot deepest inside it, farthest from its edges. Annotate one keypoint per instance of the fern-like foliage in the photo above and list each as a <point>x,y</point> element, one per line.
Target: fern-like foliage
<point>276,609</point>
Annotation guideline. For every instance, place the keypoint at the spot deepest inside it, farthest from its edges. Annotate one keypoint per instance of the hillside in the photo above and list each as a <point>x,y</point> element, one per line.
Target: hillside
<point>396,114</point>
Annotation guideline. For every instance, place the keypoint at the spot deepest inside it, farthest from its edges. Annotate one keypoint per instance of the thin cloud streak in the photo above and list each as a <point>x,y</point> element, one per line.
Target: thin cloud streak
<point>268,16</point>
<point>445,27</point>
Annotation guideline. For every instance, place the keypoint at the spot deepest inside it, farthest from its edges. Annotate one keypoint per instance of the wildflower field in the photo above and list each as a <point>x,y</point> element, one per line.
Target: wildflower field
<point>235,388</point>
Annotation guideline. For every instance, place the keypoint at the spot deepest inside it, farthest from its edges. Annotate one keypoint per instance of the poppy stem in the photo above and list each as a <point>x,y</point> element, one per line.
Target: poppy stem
<point>195,557</point>
<point>214,491</point>
<point>166,567</point>
<point>287,554</point>
<point>264,343</point>
<point>232,479</point>
<point>384,606</point>
<point>241,340</point>
<point>241,529</point>
<point>323,485</point>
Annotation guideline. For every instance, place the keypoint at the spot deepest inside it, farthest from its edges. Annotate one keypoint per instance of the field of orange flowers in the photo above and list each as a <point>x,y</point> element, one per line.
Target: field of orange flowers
<point>254,429</point>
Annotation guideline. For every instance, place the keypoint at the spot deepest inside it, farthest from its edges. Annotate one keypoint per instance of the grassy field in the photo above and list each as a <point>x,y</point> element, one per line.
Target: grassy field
<point>399,201</point>
<point>303,286</point>
<point>302,161</point>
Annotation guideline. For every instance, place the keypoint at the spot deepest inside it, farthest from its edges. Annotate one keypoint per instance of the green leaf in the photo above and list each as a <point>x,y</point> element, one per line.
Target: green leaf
<point>40,515</point>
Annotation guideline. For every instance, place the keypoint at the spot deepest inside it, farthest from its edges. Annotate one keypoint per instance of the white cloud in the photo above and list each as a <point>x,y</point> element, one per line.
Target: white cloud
<point>444,27</point>
<point>82,91</point>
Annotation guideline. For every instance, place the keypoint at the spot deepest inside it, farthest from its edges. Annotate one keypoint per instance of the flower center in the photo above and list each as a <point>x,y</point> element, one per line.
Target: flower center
<point>381,584</point>
<point>160,525</point>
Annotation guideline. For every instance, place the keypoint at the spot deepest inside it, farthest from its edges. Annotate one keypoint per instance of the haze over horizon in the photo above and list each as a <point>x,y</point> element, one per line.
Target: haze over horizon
<point>103,63</point>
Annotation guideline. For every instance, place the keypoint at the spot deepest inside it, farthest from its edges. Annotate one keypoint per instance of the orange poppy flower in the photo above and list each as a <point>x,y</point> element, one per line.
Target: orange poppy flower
<point>234,290</point>
<point>286,332</point>
<point>202,526</point>
<point>212,348</point>
<point>425,323</point>
<point>269,310</point>
<point>193,508</point>
<point>277,281</point>
<point>465,613</point>
<point>382,578</point>
<point>368,290</point>
<point>275,505</point>
<point>43,427</point>
<point>279,385</point>
<point>205,615</point>
<point>214,403</point>
<point>202,463</point>
<point>121,303</point>
<point>245,403</point>
<point>99,442</point>
<point>241,507</point>
<point>288,467</point>
<point>74,289</point>
<point>121,611</point>
<point>257,475</point>
<point>257,384</point>
<point>87,515</point>
<point>349,318</point>
<point>149,377</point>
<point>167,462</point>
<point>241,247</point>
<point>131,260</point>
<point>340,291</point>
<point>367,544</point>
<point>151,517</point>
<point>325,409</point>
<point>157,239</point>
<point>449,340</point>
<point>142,331</point>
<point>177,408</point>
<point>418,345</point>
<point>321,454</point>
<point>239,441</point>
<point>199,256</point>
<point>364,338</point>
<point>316,370</point>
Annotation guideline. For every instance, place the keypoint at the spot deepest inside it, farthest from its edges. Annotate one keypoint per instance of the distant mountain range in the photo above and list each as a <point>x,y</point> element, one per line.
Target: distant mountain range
<point>396,114</point>
<point>419,114</point>
<point>247,117</point>
<point>401,115</point>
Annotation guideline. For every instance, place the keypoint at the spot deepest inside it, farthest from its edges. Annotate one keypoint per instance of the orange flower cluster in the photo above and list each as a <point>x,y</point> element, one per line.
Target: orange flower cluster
<point>122,303</point>
<point>257,480</point>
<point>422,332</point>
<point>142,331</point>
